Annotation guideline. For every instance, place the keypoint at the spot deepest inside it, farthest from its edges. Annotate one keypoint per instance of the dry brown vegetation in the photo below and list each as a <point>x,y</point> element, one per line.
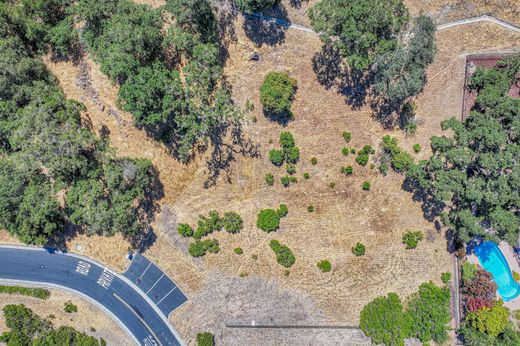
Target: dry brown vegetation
<point>342,215</point>
<point>87,317</point>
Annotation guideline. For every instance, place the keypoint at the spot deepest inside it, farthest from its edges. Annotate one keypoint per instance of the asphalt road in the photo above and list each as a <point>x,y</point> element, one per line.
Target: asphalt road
<point>109,289</point>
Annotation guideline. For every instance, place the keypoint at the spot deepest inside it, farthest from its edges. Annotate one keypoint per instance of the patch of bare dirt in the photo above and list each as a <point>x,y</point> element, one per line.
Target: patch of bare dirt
<point>89,319</point>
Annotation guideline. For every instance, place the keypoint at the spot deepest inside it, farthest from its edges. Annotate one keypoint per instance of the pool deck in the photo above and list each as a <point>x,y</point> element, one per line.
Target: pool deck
<point>509,254</point>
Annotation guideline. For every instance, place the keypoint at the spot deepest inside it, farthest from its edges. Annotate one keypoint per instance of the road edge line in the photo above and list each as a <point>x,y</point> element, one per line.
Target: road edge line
<point>13,282</point>
<point>120,276</point>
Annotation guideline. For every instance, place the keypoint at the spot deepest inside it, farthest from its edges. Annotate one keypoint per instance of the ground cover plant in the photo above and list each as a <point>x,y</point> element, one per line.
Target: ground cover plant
<point>474,174</point>
<point>39,293</point>
<point>205,339</point>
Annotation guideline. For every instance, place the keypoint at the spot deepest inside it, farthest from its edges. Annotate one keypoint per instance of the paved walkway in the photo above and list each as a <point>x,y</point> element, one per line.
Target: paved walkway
<point>483,18</point>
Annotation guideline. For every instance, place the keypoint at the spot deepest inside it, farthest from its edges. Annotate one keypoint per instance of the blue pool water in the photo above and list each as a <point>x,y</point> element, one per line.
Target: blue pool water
<point>492,260</point>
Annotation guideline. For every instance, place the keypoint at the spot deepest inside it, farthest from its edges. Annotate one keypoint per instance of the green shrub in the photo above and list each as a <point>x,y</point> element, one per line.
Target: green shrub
<point>469,271</point>
<point>292,155</point>
<point>290,168</point>
<point>347,170</point>
<point>254,257</point>
<point>285,180</point>
<point>205,339</point>
<point>402,161</point>
<point>39,293</point>
<point>306,175</point>
<point>208,225</point>
<point>358,249</point>
<point>352,150</point>
<point>211,245</point>
<point>277,92</point>
<point>185,230</point>
<point>269,179</point>
<point>416,148</point>
<point>286,140</point>
<point>411,239</point>
<point>384,321</point>
<point>445,277</point>
<point>284,255</point>
<point>332,184</point>
<point>238,250</point>
<point>268,220</point>
<point>310,208</point>
<point>314,161</point>
<point>516,276</point>
<point>347,136</point>
<point>366,185</point>
<point>362,158</point>
<point>243,274</point>
<point>70,308</point>
<point>345,151</point>
<point>276,157</point>
<point>293,179</point>
<point>282,210</point>
<point>324,265</point>
<point>232,222</point>
<point>197,248</point>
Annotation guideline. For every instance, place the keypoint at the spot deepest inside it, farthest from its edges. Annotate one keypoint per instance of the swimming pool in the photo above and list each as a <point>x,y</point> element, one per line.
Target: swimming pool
<point>492,260</point>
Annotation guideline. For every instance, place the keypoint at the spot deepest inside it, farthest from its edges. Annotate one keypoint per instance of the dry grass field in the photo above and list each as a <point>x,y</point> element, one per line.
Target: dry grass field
<point>89,319</point>
<point>342,215</point>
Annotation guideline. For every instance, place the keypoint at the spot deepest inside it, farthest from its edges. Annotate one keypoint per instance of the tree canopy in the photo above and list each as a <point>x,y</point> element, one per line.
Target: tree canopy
<point>476,171</point>
<point>46,151</point>
<point>361,30</point>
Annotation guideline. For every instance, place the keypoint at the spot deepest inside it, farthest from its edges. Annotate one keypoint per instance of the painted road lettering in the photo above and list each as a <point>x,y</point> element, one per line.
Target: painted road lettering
<point>83,268</point>
<point>106,278</point>
<point>149,341</point>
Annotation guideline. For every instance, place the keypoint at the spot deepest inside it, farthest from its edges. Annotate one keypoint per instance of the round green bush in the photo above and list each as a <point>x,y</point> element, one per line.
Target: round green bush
<point>366,185</point>
<point>286,140</point>
<point>238,250</point>
<point>402,161</point>
<point>445,277</point>
<point>314,161</point>
<point>268,220</point>
<point>310,208</point>
<point>347,136</point>
<point>205,339</point>
<point>276,157</point>
<point>358,249</point>
<point>306,175</point>
<point>290,168</point>
<point>292,155</point>
<point>185,230</point>
<point>277,92</point>
<point>197,248</point>
<point>345,151</point>
<point>232,222</point>
<point>324,265</point>
<point>285,180</point>
<point>347,170</point>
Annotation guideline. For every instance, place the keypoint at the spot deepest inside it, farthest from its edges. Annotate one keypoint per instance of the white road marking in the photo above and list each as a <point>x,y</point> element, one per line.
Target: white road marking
<point>83,268</point>
<point>155,283</point>
<point>149,341</point>
<point>166,295</point>
<point>149,264</point>
<point>106,278</point>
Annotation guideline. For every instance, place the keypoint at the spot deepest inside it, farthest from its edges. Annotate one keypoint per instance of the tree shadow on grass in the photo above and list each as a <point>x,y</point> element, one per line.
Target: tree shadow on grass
<point>333,74</point>
<point>224,152</point>
<point>269,29</point>
<point>431,207</point>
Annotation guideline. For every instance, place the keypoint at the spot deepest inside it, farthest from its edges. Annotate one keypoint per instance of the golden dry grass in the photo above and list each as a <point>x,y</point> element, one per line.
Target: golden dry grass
<point>87,316</point>
<point>343,215</point>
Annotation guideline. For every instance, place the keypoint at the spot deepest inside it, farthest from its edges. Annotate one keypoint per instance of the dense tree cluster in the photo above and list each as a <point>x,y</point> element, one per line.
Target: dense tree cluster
<point>426,316</point>
<point>476,172</point>
<point>170,81</point>
<point>27,328</point>
<point>360,29</point>
<point>46,151</point>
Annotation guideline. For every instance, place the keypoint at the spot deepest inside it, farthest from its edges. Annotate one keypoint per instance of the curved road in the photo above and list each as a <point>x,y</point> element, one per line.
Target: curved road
<point>112,292</point>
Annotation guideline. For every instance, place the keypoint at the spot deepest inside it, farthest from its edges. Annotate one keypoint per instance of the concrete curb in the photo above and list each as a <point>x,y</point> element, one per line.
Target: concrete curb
<point>120,276</point>
<point>77,293</point>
